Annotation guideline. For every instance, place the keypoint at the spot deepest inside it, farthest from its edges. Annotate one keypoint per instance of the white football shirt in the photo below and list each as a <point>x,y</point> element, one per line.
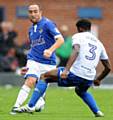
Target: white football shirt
<point>91,51</point>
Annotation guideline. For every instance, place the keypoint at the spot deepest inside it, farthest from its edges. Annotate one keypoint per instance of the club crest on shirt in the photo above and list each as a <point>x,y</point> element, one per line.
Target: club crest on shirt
<point>41,30</point>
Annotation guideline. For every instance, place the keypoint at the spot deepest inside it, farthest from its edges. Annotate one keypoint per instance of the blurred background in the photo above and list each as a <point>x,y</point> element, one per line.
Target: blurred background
<point>14,24</point>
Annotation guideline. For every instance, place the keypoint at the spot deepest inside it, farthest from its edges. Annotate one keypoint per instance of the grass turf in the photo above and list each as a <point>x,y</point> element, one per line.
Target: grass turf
<point>61,104</point>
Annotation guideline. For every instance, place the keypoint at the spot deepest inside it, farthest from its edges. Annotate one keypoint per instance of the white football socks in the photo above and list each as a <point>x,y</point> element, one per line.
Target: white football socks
<point>22,96</point>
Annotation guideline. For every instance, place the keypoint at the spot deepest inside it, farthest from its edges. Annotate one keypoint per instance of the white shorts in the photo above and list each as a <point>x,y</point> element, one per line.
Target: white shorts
<point>35,69</point>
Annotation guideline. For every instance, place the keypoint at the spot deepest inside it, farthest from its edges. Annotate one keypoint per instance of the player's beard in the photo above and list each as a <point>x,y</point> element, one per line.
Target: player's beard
<point>34,20</point>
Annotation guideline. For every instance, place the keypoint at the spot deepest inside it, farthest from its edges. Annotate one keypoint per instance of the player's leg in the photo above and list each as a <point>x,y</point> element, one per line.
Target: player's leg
<point>81,91</point>
<point>41,86</point>
<point>50,76</point>
<point>31,78</point>
<point>39,90</point>
<point>44,69</point>
<point>24,92</point>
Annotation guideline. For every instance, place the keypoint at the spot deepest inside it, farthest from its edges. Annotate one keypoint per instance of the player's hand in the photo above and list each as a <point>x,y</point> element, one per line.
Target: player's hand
<point>23,70</point>
<point>47,53</point>
<point>97,82</point>
<point>64,74</point>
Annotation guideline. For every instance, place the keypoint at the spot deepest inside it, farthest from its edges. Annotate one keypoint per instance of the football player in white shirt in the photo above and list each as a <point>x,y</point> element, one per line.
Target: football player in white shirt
<point>80,70</point>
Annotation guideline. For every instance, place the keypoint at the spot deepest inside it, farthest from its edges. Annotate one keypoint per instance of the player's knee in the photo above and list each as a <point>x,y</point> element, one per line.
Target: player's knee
<point>30,82</point>
<point>77,91</point>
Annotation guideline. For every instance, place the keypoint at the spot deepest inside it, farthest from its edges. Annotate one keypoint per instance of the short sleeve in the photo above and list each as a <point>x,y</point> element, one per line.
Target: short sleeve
<point>76,39</point>
<point>104,55</point>
<point>53,30</point>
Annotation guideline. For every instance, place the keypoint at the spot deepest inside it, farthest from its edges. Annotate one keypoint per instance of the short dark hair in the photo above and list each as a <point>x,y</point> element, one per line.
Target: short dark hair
<point>84,23</point>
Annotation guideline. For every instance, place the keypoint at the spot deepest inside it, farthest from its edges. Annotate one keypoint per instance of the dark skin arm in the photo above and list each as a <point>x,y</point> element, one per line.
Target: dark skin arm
<point>71,60</point>
<point>104,73</point>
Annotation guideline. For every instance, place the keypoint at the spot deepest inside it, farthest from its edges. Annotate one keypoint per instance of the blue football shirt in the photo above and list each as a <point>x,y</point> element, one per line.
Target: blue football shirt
<point>42,36</point>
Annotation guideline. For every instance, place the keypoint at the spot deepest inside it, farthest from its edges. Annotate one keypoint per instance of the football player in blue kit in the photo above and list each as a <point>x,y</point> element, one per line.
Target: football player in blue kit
<point>80,70</point>
<point>44,38</point>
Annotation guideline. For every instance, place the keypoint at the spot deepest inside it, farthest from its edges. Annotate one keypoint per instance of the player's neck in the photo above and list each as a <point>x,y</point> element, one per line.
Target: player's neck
<point>38,20</point>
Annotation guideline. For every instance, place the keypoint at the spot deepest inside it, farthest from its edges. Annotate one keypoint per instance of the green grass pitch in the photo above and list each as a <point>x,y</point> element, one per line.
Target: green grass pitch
<point>61,104</point>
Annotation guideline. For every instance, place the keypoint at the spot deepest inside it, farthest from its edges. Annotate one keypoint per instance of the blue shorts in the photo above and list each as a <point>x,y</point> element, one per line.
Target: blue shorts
<point>73,80</point>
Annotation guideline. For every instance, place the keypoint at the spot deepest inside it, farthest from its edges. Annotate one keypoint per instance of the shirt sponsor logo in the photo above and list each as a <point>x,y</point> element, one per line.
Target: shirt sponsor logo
<point>39,41</point>
<point>86,68</point>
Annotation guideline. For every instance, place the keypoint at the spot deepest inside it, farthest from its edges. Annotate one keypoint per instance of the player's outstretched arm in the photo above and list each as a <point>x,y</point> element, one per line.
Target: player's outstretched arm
<point>71,60</point>
<point>104,73</point>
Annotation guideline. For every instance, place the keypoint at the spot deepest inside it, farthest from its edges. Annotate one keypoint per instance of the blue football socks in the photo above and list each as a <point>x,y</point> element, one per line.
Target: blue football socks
<point>89,100</point>
<point>39,90</point>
